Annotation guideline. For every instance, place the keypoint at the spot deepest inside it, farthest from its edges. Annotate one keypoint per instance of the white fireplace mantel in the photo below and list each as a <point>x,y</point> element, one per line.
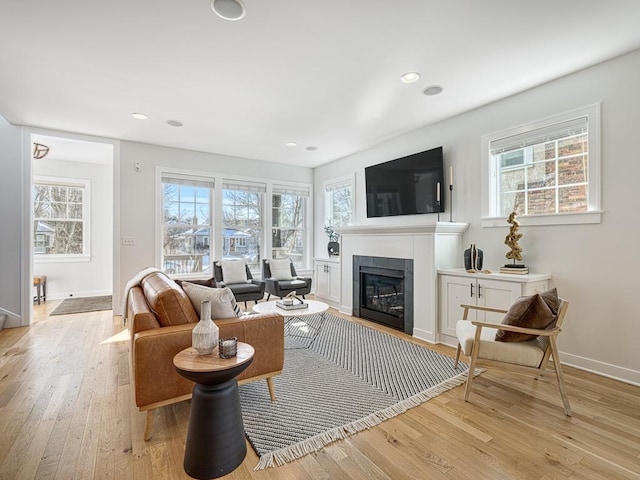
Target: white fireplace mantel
<point>431,247</point>
<point>440,227</point>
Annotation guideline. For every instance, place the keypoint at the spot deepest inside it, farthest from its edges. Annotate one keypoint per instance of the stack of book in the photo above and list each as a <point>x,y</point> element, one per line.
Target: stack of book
<point>515,270</point>
<point>293,306</point>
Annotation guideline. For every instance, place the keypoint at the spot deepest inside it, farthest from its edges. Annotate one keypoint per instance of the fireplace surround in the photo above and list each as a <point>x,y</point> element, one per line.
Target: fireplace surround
<point>383,291</point>
<point>431,247</point>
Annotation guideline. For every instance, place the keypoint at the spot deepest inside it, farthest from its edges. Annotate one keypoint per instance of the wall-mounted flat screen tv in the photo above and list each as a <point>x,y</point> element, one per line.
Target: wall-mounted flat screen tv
<point>406,186</point>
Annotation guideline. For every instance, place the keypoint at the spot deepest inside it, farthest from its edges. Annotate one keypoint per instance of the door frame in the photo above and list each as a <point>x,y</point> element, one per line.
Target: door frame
<point>27,215</point>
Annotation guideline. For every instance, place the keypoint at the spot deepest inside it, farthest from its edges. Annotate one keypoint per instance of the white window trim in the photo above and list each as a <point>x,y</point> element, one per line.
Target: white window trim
<point>273,188</point>
<point>216,214</point>
<point>327,184</point>
<point>86,220</point>
<point>249,185</point>
<point>192,175</point>
<point>489,177</point>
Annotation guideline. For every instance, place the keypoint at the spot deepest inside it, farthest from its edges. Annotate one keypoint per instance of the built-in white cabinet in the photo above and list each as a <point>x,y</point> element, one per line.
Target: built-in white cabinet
<point>456,287</point>
<point>327,281</point>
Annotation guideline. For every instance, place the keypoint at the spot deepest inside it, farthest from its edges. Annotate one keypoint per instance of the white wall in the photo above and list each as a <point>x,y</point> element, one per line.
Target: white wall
<point>138,192</point>
<point>83,278</point>
<point>11,195</point>
<point>593,266</point>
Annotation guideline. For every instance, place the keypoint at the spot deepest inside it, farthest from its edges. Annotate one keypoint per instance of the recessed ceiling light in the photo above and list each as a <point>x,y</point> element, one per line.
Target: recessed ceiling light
<point>311,149</point>
<point>228,9</point>
<point>174,123</point>
<point>291,144</point>
<point>140,116</point>
<point>410,77</point>
<point>432,90</point>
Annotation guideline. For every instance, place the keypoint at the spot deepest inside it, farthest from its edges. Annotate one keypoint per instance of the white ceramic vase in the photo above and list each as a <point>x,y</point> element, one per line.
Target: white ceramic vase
<point>205,335</point>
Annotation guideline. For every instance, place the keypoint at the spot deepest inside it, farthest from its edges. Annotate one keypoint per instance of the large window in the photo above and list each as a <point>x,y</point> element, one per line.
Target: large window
<point>186,224</point>
<point>546,168</point>
<point>338,201</point>
<point>60,217</point>
<point>242,218</point>
<point>289,220</point>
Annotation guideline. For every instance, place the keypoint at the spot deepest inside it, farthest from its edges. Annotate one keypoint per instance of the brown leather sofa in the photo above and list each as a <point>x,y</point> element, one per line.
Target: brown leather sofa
<point>161,317</point>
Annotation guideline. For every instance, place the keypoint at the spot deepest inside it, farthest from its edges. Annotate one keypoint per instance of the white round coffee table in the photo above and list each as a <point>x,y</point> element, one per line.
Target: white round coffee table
<point>314,307</point>
<point>305,330</point>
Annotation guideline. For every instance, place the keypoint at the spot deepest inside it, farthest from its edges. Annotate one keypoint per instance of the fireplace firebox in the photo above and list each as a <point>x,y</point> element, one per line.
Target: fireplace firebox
<point>383,291</point>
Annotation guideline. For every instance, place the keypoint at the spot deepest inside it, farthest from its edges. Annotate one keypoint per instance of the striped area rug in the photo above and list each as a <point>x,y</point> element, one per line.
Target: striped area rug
<point>339,378</point>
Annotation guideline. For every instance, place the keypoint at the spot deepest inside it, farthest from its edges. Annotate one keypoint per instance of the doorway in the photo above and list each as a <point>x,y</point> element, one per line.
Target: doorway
<point>72,215</point>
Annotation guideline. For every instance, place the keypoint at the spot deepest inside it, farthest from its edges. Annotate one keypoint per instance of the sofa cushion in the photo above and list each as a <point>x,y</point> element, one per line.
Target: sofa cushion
<point>242,288</point>
<point>233,271</point>
<point>167,300</point>
<point>280,269</point>
<point>223,303</point>
<point>527,353</point>
<point>526,312</point>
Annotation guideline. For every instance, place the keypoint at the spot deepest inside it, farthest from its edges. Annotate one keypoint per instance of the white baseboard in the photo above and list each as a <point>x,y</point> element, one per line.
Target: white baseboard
<point>601,368</point>
<point>424,335</point>
<point>13,319</point>
<point>62,296</point>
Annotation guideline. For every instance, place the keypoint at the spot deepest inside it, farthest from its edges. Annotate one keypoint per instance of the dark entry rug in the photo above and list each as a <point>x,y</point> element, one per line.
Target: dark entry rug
<point>339,378</point>
<point>83,305</point>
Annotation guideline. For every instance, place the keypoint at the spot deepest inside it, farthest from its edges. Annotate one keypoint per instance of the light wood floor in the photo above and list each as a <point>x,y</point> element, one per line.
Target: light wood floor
<point>66,413</point>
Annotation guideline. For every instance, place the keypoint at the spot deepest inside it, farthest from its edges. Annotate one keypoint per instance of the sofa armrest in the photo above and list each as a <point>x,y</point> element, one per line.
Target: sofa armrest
<point>156,379</point>
<point>260,283</point>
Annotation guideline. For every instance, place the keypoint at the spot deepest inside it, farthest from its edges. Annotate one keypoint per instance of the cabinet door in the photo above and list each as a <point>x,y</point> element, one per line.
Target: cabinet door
<point>496,294</point>
<point>455,291</point>
<point>333,276</point>
<point>321,280</point>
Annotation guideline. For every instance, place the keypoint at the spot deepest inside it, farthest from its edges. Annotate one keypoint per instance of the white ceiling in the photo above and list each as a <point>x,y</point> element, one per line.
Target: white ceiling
<point>323,74</point>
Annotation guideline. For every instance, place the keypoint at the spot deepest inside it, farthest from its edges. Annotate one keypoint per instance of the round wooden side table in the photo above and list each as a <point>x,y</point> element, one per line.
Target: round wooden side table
<point>215,435</point>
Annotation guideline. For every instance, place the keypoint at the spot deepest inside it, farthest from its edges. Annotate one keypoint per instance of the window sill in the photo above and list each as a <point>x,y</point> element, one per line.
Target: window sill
<point>555,219</point>
<point>61,258</point>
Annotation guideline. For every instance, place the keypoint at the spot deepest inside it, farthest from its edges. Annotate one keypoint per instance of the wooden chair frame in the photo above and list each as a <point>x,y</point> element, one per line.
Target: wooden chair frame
<point>551,350</point>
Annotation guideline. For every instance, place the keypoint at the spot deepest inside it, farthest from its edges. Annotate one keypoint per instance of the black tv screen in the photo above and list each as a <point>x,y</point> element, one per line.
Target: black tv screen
<point>406,186</point>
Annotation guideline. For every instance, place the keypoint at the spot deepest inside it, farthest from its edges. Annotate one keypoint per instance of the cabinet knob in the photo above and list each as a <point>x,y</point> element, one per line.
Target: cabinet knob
<point>471,285</point>
<point>479,294</point>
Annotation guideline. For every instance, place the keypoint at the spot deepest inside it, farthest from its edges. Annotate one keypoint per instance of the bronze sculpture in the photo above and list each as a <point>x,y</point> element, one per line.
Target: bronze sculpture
<point>511,240</point>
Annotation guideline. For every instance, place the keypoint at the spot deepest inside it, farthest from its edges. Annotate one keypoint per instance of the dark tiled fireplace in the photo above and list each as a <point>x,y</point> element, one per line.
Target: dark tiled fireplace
<point>383,291</point>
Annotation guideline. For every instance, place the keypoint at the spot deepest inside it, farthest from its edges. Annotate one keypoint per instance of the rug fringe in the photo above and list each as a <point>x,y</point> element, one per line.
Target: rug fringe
<point>317,442</point>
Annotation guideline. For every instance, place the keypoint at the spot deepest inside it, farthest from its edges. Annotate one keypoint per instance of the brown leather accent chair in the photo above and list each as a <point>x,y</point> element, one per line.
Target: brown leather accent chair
<point>160,318</point>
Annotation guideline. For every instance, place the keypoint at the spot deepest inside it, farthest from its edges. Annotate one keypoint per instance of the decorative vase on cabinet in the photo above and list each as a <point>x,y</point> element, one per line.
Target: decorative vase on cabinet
<point>205,335</point>
<point>473,258</point>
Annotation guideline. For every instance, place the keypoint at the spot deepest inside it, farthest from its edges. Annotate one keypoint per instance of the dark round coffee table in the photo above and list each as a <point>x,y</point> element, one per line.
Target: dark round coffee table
<point>215,436</point>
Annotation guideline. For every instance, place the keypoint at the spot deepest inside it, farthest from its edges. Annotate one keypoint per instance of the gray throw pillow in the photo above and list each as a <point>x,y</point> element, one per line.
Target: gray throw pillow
<point>223,303</point>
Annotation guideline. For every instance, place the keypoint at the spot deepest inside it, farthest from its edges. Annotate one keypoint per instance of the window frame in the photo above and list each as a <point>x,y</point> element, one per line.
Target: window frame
<point>302,190</point>
<point>328,187</point>
<point>85,184</point>
<point>216,240</point>
<point>195,177</point>
<point>490,214</point>
<point>260,187</point>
